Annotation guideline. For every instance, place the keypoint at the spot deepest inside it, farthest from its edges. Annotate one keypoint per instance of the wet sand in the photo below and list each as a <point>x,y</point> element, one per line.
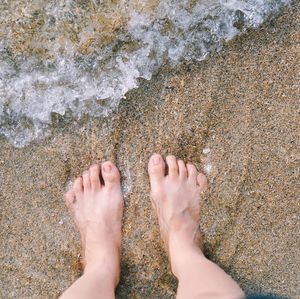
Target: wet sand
<point>241,106</point>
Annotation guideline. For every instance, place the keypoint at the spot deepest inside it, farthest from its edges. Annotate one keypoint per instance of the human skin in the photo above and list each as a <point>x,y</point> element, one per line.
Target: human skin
<point>98,208</point>
<point>176,199</point>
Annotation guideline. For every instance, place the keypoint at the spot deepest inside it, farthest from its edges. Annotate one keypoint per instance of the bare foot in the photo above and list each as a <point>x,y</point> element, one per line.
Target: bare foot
<point>176,199</point>
<point>98,210</point>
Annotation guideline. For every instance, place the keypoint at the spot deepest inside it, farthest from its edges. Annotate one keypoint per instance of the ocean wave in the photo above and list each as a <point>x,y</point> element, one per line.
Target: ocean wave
<point>71,58</point>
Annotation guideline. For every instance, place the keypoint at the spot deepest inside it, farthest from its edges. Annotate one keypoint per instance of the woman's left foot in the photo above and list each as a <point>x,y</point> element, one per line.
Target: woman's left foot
<point>98,209</point>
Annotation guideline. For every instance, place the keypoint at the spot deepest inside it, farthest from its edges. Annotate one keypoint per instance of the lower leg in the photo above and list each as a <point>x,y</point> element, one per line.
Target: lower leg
<point>199,277</point>
<point>176,198</point>
<point>92,284</point>
<point>97,210</point>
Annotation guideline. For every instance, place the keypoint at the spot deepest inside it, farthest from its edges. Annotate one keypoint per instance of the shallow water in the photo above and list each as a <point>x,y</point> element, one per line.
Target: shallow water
<point>71,58</point>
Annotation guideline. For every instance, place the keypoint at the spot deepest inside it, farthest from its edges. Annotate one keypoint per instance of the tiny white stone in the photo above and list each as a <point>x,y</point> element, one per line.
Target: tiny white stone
<point>207,168</point>
<point>206,151</point>
<point>60,222</point>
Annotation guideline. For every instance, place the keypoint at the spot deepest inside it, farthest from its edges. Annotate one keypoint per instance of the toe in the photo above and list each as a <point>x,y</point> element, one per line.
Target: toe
<point>202,182</point>
<point>182,169</point>
<point>86,180</point>
<point>94,173</point>
<point>172,166</point>
<point>192,173</point>
<point>69,198</point>
<point>78,187</point>
<point>110,174</point>
<point>156,168</point>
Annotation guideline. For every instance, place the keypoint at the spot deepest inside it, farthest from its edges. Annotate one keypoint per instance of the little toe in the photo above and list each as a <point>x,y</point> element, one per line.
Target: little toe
<point>192,173</point>
<point>78,187</point>
<point>182,169</point>
<point>202,182</point>
<point>69,198</point>
<point>110,174</point>
<point>156,168</point>
<point>94,173</point>
<point>86,180</point>
<point>172,166</point>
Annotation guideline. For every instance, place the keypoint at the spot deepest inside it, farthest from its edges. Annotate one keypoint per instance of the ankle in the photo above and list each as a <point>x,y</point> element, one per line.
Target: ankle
<point>106,271</point>
<point>182,250</point>
<point>185,238</point>
<point>104,264</point>
<point>105,276</point>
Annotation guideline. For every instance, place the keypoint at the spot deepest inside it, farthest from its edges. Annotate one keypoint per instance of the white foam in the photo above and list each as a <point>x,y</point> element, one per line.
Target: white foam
<point>69,82</point>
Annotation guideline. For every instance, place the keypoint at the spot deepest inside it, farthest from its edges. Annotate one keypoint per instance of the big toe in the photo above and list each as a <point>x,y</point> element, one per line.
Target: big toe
<point>78,187</point>
<point>70,199</point>
<point>156,167</point>
<point>202,182</point>
<point>110,174</point>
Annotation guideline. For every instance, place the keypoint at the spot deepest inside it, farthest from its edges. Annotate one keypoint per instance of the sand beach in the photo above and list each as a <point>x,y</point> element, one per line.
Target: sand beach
<point>235,115</point>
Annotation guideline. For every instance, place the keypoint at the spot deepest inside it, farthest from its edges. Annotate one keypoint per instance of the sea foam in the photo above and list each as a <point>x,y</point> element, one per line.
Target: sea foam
<point>71,58</point>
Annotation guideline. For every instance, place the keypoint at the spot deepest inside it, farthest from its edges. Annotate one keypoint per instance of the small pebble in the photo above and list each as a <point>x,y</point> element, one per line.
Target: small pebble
<point>207,168</point>
<point>206,151</point>
<point>60,222</point>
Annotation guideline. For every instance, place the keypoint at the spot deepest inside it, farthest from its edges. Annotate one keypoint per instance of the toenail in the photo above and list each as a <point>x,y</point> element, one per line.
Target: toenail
<point>107,167</point>
<point>156,160</point>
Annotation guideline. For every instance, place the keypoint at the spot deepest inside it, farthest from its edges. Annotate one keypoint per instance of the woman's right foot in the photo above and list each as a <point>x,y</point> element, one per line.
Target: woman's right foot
<point>176,199</point>
<point>97,209</point>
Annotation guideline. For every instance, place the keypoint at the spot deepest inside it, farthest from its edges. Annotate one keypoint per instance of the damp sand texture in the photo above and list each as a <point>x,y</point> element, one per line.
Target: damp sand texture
<point>235,115</point>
